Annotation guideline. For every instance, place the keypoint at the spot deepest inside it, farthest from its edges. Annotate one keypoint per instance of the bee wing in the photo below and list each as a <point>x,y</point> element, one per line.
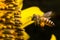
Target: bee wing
<point>48,14</point>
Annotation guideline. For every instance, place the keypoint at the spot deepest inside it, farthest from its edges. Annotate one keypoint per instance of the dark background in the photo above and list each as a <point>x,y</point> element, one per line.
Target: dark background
<point>38,33</point>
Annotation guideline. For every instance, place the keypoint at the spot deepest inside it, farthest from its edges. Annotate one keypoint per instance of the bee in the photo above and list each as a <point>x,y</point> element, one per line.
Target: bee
<point>43,20</point>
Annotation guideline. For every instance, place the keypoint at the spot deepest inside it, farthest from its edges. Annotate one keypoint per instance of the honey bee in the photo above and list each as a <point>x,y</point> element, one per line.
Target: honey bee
<point>43,20</point>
